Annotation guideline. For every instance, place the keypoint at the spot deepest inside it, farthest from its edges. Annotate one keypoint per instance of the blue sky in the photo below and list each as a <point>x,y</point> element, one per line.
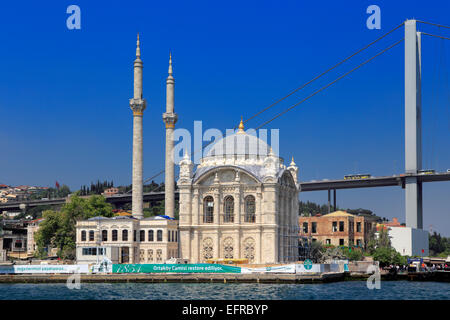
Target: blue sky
<point>64,112</point>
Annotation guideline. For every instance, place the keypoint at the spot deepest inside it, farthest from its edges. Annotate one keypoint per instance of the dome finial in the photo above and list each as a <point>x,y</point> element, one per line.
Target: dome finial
<point>241,125</point>
<point>292,162</point>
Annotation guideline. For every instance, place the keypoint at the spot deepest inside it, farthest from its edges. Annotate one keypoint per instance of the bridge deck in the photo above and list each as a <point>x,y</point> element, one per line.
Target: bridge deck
<point>388,181</point>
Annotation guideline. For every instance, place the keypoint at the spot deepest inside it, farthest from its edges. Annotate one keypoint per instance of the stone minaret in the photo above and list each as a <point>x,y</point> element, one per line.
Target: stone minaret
<point>138,105</point>
<point>170,118</point>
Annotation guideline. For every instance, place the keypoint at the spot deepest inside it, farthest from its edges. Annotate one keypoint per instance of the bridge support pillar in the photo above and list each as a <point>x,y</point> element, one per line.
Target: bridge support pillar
<point>329,200</point>
<point>413,203</point>
<point>413,129</point>
<point>334,200</point>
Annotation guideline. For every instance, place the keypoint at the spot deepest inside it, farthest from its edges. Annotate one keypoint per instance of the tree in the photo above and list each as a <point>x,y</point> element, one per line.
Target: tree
<point>382,250</point>
<point>35,212</point>
<point>48,232</point>
<point>58,228</point>
<point>360,211</point>
<point>383,239</point>
<point>387,256</point>
<point>438,244</point>
<point>384,255</point>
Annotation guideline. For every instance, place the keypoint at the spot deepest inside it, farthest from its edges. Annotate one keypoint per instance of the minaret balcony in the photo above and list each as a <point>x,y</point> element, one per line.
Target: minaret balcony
<point>170,119</point>
<point>138,105</point>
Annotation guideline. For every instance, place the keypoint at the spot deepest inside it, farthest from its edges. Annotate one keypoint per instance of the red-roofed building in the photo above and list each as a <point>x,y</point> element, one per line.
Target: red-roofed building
<point>385,225</point>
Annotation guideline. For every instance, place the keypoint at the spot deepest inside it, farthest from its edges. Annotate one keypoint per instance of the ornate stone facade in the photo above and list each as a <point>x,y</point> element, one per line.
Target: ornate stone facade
<point>241,202</point>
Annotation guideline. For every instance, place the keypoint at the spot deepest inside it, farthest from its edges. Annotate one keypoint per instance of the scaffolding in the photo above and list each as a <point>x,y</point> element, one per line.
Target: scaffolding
<point>290,243</point>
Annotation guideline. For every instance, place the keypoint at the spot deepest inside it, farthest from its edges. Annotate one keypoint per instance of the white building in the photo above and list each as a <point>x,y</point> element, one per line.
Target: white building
<point>127,239</point>
<point>409,241</point>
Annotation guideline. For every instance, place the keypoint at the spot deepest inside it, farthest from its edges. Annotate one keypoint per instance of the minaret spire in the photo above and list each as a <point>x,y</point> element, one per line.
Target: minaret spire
<point>138,48</point>
<point>170,118</point>
<point>170,64</point>
<point>137,104</point>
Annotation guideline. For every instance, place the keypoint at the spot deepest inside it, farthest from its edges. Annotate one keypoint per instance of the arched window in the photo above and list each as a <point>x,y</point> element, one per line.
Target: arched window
<point>83,235</point>
<point>91,235</point>
<point>228,209</point>
<point>249,209</point>
<point>142,235</point>
<point>159,235</point>
<point>150,235</point>
<point>104,235</point>
<point>114,235</point>
<point>208,210</point>
<point>125,235</point>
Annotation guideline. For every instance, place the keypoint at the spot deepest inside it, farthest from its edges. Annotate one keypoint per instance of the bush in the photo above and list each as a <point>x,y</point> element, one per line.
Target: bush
<point>354,254</point>
<point>386,256</point>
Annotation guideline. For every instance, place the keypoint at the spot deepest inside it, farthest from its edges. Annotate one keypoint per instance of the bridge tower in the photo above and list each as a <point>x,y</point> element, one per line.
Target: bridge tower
<point>170,118</point>
<point>413,126</point>
<point>138,105</point>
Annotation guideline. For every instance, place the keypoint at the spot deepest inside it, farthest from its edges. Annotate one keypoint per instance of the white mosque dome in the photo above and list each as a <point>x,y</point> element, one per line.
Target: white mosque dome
<point>238,148</point>
<point>239,144</point>
<point>241,149</point>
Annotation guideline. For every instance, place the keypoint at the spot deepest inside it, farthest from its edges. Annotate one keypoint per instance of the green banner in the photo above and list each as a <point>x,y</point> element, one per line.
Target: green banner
<point>174,268</point>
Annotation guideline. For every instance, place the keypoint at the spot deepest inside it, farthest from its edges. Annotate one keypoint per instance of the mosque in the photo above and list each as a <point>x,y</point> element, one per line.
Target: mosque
<point>240,202</point>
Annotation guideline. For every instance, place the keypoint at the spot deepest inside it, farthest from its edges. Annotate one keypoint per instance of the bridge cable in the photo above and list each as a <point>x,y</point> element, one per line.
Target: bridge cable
<point>297,89</point>
<point>313,94</point>
<point>156,175</point>
<point>434,35</point>
<point>331,83</point>
<point>446,88</point>
<point>146,180</point>
<point>433,24</point>
<point>323,73</point>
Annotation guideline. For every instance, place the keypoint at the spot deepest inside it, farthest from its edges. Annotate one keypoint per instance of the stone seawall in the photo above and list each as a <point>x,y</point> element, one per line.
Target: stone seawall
<point>187,278</point>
